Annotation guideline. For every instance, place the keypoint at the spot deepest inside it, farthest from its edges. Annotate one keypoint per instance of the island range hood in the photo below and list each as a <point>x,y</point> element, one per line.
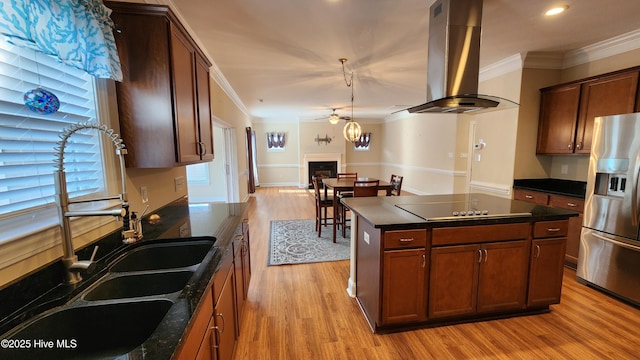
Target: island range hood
<point>454,60</point>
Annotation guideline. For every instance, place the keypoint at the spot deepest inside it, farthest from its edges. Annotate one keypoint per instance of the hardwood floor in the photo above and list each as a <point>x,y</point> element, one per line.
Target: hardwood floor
<point>304,312</point>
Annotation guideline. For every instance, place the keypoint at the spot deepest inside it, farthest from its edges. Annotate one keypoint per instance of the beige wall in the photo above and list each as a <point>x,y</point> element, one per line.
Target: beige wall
<point>422,148</point>
<point>276,167</point>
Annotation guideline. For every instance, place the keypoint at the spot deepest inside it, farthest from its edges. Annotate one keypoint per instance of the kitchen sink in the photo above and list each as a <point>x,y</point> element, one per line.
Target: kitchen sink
<point>164,256</point>
<point>137,285</point>
<point>90,332</point>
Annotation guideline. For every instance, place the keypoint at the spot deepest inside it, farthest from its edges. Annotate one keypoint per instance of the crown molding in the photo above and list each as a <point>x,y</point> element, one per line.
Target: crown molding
<point>600,50</point>
<point>504,66</point>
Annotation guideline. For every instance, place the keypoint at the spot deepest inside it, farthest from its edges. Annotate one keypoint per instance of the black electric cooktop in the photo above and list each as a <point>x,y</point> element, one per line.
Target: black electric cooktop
<point>469,206</point>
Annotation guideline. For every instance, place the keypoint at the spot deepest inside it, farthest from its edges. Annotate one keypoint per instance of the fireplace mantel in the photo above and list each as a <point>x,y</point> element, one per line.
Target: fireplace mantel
<point>318,157</point>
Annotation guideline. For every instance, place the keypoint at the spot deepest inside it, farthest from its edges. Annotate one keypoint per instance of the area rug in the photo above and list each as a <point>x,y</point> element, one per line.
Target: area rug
<point>297,242</point>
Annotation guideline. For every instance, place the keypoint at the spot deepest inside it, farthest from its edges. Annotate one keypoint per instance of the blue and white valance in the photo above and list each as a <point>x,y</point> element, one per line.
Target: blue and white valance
<point>78,32</point>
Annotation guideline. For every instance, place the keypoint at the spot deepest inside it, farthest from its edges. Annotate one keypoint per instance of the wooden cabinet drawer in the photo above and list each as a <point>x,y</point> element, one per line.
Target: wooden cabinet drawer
<point>479,234</point>
<point>403,239</point>
<point>199,327</point>
<point>221,274</point>
<point>543,229</point>
<point>567,203</point>
<point>531,196</point>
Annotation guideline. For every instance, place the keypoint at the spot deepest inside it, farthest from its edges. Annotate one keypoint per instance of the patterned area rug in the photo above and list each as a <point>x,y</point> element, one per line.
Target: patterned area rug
<point>297,242</point>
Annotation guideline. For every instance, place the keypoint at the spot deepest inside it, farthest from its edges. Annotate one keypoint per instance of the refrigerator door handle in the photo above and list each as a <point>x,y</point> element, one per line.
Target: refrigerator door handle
<point>616,242</point>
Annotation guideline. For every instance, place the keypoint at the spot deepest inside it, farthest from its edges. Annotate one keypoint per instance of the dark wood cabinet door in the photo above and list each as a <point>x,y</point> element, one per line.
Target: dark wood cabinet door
<point>453,280</point>
<point>225,320</point>
<point>558,117</point>
<point>547,266</point>
<point>205,124</point>
<point>184,86</point>
<point>404,286</point>
<point>208,345</point>
<point>503,276</point>
<point>610,95</point>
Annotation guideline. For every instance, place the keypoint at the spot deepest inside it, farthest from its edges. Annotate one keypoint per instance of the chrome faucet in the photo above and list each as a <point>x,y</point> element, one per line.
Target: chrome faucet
<point>69,259</point>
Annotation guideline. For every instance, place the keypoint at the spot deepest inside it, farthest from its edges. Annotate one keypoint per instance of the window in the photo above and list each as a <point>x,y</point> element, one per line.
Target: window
<point>28,139</point>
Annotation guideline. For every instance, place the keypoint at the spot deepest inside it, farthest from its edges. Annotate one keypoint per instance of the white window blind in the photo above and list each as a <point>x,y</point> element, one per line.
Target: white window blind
<point>28,139</point>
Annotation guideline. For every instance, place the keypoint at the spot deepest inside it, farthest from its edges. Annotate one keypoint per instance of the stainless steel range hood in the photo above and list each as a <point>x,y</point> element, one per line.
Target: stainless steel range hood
<point>454,60</point>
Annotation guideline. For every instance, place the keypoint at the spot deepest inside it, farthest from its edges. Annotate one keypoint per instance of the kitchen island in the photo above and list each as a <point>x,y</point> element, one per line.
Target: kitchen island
<point>441,259</point>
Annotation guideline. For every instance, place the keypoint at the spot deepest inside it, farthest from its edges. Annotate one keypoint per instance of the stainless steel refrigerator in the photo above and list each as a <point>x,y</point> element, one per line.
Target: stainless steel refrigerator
<point>609,243</point>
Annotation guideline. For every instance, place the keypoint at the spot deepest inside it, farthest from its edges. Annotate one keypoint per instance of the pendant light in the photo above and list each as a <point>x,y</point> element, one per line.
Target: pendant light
<point>352,129</point>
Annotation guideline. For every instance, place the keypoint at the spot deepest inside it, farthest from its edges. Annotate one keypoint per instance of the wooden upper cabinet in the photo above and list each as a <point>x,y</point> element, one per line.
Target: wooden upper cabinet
<point>558,115</point>
<point>567,111</point>
<point>610,95</point>
<point>164,101</point>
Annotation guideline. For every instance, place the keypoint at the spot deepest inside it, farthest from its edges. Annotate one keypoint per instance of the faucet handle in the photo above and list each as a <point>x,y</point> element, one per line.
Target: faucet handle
<point>88,265</point>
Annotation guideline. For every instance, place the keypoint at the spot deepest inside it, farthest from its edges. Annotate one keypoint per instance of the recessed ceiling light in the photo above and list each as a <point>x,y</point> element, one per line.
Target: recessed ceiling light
<point>556,10</point>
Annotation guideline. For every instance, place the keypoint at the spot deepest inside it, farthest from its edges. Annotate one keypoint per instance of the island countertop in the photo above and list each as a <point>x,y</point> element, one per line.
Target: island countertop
<point>387,211</point>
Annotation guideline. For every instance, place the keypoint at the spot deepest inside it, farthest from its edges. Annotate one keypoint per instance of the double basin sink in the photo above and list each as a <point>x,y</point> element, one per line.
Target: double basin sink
<point>122,310</point>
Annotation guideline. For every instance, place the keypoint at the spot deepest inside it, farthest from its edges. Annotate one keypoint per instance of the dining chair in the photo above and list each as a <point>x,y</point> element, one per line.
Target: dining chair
<point>361,188</point>
<point>322,204</point>
<point>396,184</point>
<point>351,175</point>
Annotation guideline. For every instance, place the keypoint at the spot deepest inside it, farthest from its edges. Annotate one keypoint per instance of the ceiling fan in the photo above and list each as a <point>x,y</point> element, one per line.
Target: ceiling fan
<point>334,118</point>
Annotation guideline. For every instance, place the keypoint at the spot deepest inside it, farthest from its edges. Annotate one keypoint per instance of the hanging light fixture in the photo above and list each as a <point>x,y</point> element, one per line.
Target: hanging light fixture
<point>352,129</point>
<point>334,118</point>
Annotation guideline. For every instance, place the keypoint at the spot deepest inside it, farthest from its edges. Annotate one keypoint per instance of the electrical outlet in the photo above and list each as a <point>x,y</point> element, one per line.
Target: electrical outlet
<point>144,196</point>
<point>179,183</point>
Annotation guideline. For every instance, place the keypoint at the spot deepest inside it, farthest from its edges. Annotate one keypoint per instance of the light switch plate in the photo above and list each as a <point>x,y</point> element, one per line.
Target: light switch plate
<point>179,183</point>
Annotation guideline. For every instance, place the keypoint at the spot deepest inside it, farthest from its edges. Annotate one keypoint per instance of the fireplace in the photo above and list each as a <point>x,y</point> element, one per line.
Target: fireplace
<point>326,168</point>
<point>308,158</point>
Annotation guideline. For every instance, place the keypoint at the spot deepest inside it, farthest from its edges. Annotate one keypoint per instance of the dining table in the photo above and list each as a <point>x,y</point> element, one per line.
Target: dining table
<point>344,185</point>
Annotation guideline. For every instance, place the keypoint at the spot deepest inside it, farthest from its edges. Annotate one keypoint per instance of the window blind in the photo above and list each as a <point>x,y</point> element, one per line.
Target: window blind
<point>28,139</point>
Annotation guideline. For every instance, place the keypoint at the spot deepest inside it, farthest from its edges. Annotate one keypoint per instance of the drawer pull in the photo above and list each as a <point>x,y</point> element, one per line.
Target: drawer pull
<point>406,240</point>
<point>553,229</point>
<point>537,251</point>
<point>424,260</point>
<point>479,256</point>
<point>572,204</point>
<point>528,196</point>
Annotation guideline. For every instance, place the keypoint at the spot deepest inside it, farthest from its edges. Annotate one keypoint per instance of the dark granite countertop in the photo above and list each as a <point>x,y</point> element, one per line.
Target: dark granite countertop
<point>43,291</point>
<point>553,186</point>
<point>382,212</point>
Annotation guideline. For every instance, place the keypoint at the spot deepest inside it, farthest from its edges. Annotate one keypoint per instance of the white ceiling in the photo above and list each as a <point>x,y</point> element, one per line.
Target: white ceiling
<point>281,56</point>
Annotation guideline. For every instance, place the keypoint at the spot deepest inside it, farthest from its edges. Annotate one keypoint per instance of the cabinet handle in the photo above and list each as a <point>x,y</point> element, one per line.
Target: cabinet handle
<point>579,145</point>
<point>203,148</point>
<point>406,240</point>
<point>214,337</point>
<point>528,196</point>
<point>479,256</point>
<point>218,328</point>
<point>486,255</point>
<point>424,260</point>
<point>572,204</point>
<point>570,146</point>
<point>553,229</point>
<point>537,251</point>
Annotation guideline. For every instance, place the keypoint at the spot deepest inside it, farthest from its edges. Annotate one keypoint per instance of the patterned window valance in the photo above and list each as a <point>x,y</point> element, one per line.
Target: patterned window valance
<point>77,32</point>
<point>362,143</point>
<point>275,141</point>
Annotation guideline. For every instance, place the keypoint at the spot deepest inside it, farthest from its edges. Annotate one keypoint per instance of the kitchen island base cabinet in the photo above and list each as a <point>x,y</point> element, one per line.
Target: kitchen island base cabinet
<point>547,263</point>
<point>404,286</point>
<point>475,279</point>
